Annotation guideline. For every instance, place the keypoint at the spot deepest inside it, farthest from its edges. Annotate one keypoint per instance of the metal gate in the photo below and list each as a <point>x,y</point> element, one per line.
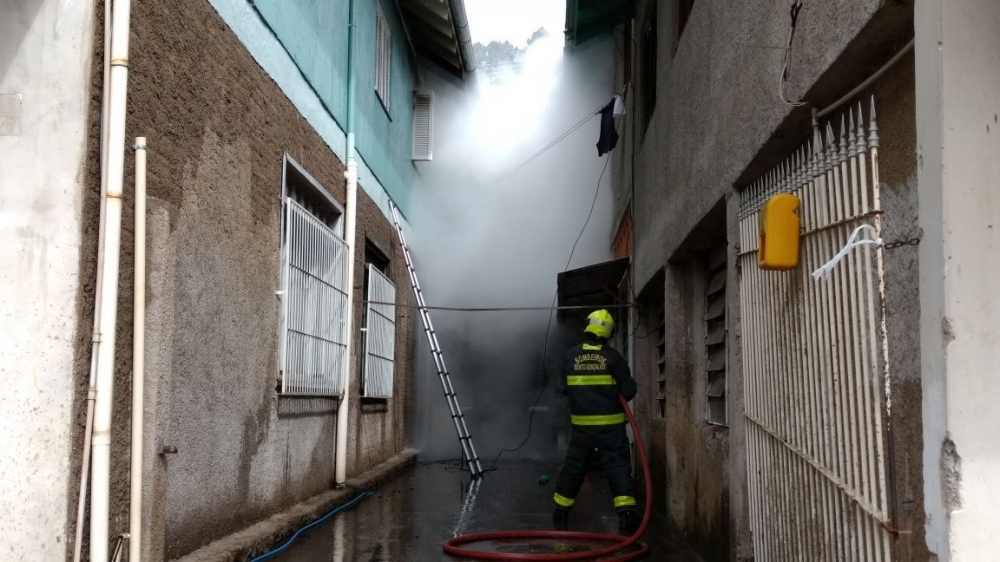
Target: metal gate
<point>814,355</point>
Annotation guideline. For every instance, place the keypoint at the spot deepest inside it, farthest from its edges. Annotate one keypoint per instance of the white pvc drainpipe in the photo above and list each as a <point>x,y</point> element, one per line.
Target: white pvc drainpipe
<point>350,230</point>
<point>108,311</point>
<point>343,409</point>
<point>138,356</point>
<point>81,508</point>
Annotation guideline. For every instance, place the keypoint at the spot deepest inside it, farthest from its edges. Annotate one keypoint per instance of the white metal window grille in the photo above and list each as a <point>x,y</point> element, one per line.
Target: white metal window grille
<point>383,57</point>
<point>380,336</point>
<point>716,335</point>
<point>815,361</point>
<point>422,126</point>
<point>314,306</point>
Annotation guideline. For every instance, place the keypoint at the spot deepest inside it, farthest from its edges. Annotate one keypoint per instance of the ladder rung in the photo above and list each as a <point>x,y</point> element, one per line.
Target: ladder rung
<point>452,397</point>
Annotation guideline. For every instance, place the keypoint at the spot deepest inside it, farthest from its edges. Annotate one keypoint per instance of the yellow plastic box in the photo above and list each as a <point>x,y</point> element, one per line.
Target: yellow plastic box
<point>778,248</point>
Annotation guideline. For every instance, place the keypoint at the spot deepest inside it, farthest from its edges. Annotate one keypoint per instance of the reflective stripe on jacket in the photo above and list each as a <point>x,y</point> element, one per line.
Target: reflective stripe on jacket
<point>593,374</point>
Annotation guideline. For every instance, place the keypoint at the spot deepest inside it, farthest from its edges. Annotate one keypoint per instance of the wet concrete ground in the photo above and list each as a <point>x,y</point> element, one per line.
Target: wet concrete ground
<point>408,518</point>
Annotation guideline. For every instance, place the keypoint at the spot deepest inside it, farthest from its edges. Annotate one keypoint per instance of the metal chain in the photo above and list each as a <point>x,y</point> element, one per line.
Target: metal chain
<point>900,243</point>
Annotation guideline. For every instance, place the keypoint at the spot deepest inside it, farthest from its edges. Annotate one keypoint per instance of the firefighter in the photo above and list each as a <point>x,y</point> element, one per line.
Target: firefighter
<point>592,376</point>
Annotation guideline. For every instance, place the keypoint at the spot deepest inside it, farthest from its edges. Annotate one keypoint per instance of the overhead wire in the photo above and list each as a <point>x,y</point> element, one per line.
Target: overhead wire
<point>501,308</point>
<point>783,81</point>
<point>583,121</point>
<point>552,309</point>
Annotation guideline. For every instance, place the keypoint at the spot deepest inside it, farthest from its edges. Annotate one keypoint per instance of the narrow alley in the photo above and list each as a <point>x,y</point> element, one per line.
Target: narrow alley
<point>353,280</point>
<point>409,517</point>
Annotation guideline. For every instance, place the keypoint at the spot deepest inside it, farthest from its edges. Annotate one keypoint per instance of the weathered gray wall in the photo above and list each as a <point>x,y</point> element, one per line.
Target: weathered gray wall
<point>896,106</point>
<point>218,128</point>
<point>718,123</point>
<point>717,101</point>
<point>45,50</point>
<point>698,469</point>
<point>958,116</point>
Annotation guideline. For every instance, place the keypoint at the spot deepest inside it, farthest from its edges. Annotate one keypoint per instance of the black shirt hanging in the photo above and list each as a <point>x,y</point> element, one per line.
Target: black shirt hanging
<point>609,136</point>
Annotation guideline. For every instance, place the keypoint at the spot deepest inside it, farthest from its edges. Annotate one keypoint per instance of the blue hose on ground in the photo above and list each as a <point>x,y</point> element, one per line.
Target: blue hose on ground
<point>332,512</point>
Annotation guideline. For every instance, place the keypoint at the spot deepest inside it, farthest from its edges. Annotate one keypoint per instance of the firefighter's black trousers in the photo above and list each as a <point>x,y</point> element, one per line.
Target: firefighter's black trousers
<point>608,445</point>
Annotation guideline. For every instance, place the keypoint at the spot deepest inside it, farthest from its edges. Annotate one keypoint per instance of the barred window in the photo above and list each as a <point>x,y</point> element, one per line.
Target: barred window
<point>314,289</point>
<point>378,330</point>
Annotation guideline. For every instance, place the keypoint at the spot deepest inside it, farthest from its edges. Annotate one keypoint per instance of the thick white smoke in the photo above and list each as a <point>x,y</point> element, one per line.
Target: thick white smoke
<point>493,230</point>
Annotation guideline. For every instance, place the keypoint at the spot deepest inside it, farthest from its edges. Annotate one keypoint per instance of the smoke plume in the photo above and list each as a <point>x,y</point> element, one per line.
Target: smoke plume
<point>492,227</point>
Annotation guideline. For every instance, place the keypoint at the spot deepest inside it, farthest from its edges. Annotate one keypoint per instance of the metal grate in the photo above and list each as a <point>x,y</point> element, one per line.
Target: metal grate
<point>380,336</point>
<point>716,336</point>
<point>314,306</point>
<point>815,361</point>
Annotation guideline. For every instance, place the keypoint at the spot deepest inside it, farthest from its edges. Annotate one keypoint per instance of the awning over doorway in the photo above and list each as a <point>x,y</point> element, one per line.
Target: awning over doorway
<point>593,285</point>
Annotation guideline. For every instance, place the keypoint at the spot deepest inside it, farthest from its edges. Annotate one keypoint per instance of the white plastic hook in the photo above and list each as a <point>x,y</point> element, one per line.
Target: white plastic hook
<point>852,242</point>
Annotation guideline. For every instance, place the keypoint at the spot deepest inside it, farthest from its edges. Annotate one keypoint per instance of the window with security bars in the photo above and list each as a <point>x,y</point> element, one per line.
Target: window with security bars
<point>378,329</point>
<point>383,57</point>
<point>716,334</point>
<point>314,296</point>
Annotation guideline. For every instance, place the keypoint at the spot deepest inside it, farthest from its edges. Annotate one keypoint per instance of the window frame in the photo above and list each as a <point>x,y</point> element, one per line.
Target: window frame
<point>383,59</point>
<point>293,176</point>
<point>290,168</point>
<point>418,97</point>
<point>377,259</point>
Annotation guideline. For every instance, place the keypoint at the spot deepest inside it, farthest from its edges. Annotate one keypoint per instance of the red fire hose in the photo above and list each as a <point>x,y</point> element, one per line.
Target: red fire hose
<point>618,543</point>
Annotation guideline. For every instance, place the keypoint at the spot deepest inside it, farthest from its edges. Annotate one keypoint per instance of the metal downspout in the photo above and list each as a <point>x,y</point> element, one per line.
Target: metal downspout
<point>462,34</point>
<point>350,227</point>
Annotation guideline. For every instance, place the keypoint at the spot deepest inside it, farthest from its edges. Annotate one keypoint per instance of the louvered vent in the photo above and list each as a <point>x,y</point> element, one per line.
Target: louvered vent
<point>422,102</point>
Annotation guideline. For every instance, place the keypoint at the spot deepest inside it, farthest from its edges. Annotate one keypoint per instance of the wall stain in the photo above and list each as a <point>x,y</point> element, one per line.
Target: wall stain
<point>951,476</point>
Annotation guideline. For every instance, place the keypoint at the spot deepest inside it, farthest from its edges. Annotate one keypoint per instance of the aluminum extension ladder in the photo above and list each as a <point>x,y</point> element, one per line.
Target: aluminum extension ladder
<point>457,417</point>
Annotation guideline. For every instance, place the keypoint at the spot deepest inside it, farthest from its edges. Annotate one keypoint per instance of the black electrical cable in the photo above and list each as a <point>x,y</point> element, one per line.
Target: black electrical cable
<point>794,15</point>
<point>498,308</point>
<point>586,119</point>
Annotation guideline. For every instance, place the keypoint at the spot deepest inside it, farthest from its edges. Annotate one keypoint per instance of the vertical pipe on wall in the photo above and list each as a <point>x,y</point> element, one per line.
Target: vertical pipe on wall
<point>98,283</point>
<point>108,312</point>
<point>350,227</point>
<point>138,356</point>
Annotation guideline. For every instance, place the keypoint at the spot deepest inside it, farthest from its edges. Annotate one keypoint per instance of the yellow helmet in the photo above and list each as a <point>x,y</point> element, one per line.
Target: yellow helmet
<point>600,323</point>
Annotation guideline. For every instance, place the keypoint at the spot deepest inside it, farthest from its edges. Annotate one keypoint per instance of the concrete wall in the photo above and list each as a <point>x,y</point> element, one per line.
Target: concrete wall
<point>218,128</point>
<point>697,453</point>
<point>958,102</point>
<point>315,36</point>
<point>717,124</point>
<point>717,102</point>
<point>260,40</point>
<point>895,99</point>
<point>45,52</point>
